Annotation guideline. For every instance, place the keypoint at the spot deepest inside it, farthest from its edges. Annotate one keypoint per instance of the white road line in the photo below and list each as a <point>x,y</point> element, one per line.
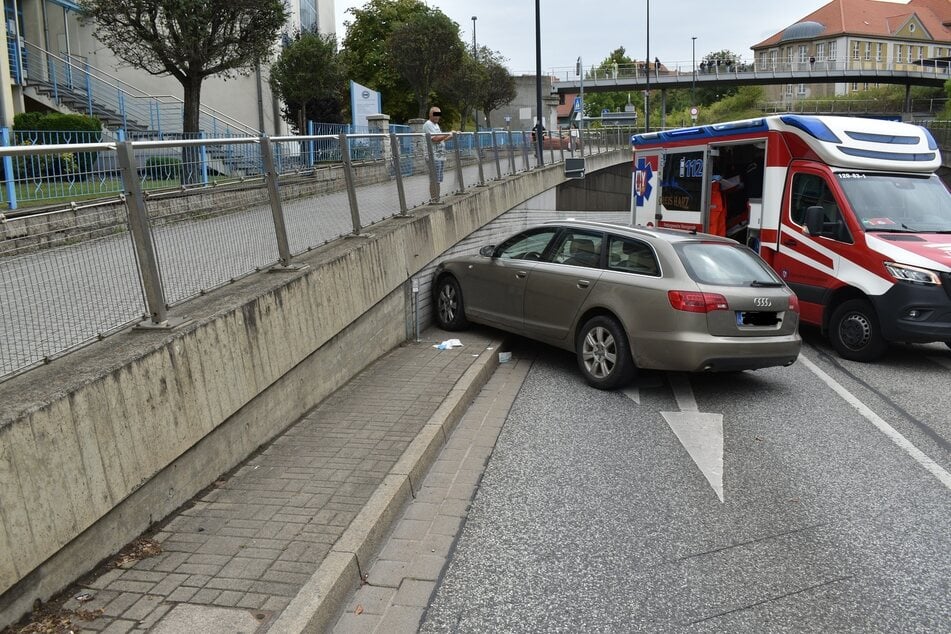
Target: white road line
<point>936,470</point>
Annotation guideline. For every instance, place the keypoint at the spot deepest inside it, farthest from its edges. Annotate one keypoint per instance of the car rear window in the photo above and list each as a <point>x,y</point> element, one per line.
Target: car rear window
<point>724,264</point>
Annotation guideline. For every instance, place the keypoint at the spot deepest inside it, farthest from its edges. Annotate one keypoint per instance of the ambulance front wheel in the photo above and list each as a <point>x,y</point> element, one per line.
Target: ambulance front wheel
<point>855,332</point>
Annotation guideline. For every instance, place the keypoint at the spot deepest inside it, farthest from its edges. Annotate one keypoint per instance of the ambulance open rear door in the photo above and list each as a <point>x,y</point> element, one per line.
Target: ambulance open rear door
<point>671,187</point>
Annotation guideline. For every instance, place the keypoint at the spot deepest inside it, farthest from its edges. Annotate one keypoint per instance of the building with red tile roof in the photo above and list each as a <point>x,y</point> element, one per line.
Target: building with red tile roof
<point>853,34</point>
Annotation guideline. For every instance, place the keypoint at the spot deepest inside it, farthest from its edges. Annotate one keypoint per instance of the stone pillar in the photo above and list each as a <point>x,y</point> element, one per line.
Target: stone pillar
<point>380,124</point>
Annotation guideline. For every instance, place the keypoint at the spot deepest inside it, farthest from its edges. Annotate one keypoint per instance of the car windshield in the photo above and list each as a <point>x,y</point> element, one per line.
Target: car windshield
<point>723,264</point>
<point>898,202</point>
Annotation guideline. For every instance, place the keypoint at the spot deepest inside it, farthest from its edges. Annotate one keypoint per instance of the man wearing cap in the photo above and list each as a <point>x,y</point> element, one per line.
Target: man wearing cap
<point>438,138</point>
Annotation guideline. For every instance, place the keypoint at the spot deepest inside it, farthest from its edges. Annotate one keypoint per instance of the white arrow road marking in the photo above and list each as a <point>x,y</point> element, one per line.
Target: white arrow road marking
<point>634,392</point>
<point>700,433</point>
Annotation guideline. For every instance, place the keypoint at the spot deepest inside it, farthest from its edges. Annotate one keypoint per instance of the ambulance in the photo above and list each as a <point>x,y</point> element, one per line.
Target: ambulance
<point>848,211</point>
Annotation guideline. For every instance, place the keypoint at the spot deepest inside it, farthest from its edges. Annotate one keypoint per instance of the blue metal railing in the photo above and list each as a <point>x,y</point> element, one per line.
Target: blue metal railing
<point>74,83</point>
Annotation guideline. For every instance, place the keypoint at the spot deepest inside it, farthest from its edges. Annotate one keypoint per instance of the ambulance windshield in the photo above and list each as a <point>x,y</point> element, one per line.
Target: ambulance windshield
<point>898,202</point>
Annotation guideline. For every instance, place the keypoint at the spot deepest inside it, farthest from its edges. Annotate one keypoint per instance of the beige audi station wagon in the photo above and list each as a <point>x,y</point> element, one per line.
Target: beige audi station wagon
<point>623,298</point>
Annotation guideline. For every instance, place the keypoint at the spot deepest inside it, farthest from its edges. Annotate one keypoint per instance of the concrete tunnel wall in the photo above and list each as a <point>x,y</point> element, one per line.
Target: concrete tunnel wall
<point>103,442</point>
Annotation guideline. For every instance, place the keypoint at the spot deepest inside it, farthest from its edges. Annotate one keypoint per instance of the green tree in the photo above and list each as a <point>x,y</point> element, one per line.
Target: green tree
<point>366,56</point>
<point>499,89</point>
<point>309,77</point>
<point>465,87</point>
<point>425,50</point>
<point>717,62</point>
<point>188,39</point>
<point>595,103</point>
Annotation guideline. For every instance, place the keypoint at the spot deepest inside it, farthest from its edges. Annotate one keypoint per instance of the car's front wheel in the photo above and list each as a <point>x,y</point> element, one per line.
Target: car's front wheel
<point>604,354</point>
<point>450,311</point>
<point>855,332</point>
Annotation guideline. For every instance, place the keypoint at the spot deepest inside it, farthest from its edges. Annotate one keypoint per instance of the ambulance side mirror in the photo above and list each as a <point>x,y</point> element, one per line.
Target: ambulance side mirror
<point>815,217</point>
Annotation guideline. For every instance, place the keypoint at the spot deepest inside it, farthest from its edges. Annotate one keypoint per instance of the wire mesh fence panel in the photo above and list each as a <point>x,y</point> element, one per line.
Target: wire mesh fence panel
<point>66,278</point>
<point>375,179</point>
<point>206,247</point>
<point>315,202</point>
<point>414,165</point>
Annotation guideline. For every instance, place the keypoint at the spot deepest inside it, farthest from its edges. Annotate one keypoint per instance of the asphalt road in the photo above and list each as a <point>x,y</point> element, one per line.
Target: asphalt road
<point>592,516</point>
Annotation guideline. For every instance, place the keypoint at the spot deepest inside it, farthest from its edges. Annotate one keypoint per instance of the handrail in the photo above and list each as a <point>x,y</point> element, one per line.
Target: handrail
<point>124,89</point>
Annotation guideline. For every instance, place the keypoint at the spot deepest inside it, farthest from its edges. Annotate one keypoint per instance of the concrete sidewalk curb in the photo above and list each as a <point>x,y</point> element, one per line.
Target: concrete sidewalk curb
<point>321,599</point>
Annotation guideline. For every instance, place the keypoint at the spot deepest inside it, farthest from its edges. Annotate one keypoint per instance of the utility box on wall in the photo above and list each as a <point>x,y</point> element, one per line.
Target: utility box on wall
<point>574,167</point>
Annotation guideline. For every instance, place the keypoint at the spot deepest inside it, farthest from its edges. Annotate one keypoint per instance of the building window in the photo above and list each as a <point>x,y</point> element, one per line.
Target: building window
<point>308,15</point>
<point>912,27</point>
<point>855,50</point>
<point>832,51</point>
<point>801,90</point>
<point>868,51</point>
<point>879,52</point>
<point>803,56</point>
<point>789,90</point>
<point>821,52</point>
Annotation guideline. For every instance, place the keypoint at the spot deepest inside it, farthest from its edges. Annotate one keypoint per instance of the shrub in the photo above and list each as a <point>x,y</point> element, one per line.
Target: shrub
<point>58,128</point>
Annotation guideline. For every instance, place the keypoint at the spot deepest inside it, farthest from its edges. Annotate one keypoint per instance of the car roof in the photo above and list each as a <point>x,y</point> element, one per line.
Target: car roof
<point>640,231</point>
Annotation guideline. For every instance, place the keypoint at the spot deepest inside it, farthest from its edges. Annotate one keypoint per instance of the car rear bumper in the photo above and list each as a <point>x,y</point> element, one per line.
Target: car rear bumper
<point>704,353</point>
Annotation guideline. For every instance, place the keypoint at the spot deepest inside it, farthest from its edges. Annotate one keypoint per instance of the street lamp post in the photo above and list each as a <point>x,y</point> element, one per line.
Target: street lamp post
<point>538,84</point>
<point>647,69</point>
<point>693,58</point>
<point>475,56</point>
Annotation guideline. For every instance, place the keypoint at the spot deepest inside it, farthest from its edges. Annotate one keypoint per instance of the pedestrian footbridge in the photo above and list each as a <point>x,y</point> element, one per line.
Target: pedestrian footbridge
<point>119,405</point>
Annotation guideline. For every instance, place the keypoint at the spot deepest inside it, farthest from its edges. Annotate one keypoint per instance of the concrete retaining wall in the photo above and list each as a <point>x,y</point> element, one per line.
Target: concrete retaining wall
<point>99,444</point>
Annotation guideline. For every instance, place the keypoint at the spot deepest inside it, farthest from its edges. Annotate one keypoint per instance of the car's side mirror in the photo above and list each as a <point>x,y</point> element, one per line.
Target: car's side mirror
<point>487,251</point>
<point>815,217</point>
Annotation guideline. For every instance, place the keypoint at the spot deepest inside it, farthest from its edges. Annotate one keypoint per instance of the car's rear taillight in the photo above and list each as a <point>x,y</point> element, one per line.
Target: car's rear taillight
<point>697,302</point>
<point>793,303</point>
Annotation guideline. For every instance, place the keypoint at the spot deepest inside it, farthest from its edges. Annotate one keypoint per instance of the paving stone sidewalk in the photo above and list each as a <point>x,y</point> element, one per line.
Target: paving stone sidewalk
<point>236,556</point>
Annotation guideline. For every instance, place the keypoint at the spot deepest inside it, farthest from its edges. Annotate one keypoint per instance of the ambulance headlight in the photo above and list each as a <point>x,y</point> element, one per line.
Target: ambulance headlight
<point>912,274</point>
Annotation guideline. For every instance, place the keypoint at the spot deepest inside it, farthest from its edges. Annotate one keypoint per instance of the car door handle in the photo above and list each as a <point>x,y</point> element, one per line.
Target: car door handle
<point>521,274</point>
<point>789,242</point>
<point>583,283</point>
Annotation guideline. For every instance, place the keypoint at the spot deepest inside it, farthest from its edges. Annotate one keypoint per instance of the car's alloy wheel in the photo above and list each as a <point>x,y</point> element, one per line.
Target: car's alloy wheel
<point>450,313</point>
<point>604,356</point>
<point>855,333</point>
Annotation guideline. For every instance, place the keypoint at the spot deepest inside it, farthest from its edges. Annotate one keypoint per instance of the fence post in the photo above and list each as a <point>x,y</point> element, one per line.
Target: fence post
<point>351,184</point>
<point>203,157</point>
<point>524,151</point>
<point>311,147</point>
<point>458,153</point>
<point>8,172</point>
<point>142,239</point>
<point>398,172</point>
<point>433,177</point>
<point>478,149</point>
<point>277,212</point>
<point>511,150</point>
<point>498,161</point>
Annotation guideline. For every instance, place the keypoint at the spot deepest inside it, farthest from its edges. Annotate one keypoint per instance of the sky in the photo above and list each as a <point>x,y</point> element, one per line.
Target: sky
<point>592,30</point>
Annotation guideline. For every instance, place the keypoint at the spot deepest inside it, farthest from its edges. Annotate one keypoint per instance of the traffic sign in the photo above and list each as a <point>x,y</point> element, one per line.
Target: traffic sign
<point>577,105</point>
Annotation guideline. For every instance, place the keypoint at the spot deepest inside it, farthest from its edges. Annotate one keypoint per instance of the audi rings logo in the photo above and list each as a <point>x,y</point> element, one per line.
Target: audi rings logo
<point>762,302</point>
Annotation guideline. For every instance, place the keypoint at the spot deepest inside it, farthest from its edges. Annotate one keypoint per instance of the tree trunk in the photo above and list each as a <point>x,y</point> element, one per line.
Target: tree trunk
<point>191,156</point>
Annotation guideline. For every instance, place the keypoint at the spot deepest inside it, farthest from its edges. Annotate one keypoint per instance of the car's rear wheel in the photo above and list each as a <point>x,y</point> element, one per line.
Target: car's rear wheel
<point>450,311</point>
<point>855,332</point>
<point>604,355</point>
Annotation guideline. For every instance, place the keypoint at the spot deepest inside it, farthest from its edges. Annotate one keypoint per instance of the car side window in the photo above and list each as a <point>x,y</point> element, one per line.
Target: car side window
<point>811,190</point>
<point>578,248</point>
<point>526,246</point>
<point>631,256</point>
